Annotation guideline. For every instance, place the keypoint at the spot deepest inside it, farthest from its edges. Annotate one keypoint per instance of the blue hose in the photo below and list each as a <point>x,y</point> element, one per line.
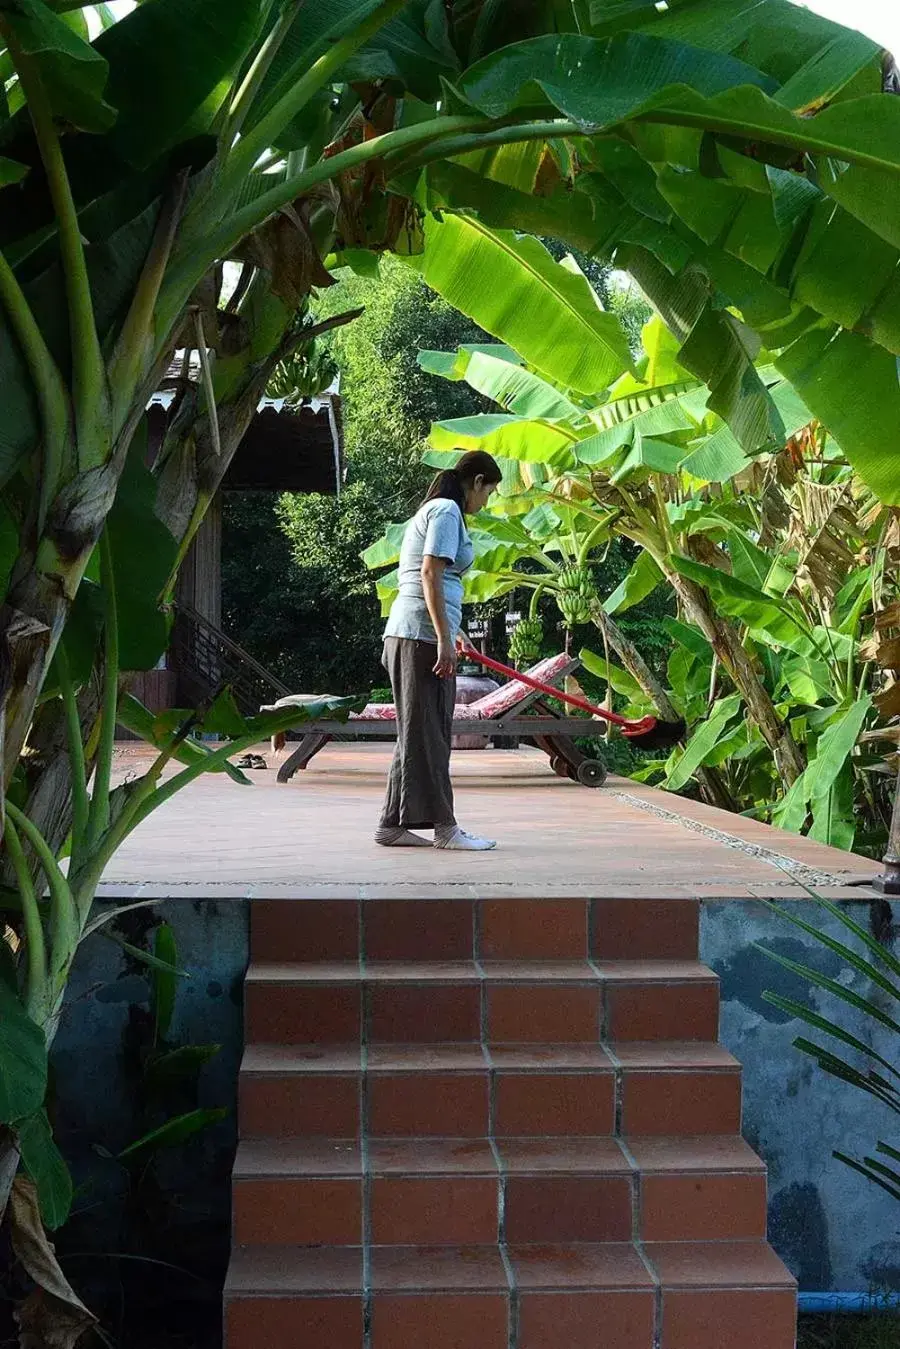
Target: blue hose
<point>848,1302</point>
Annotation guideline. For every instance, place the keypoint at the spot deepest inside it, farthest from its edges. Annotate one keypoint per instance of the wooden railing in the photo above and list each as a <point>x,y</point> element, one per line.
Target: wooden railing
<point>206,659</point>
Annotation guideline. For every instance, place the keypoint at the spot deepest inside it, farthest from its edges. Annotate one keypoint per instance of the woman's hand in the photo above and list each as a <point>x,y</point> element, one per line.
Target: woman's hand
<point>464,645</point>
<point>445,665</point>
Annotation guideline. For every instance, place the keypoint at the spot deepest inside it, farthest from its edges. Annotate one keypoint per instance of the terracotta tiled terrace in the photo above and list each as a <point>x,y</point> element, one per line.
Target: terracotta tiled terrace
<point>483,1104</point>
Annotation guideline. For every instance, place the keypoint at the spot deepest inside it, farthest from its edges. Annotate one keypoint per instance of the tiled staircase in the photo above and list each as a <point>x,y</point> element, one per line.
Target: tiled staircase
<point>493,1124</point>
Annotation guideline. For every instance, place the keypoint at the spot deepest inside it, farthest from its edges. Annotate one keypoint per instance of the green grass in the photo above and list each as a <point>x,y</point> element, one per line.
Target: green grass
<point>849,1332</point>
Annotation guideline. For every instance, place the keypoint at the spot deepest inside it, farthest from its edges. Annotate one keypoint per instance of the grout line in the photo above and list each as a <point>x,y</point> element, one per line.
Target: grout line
<point>619,1088</point>
<point>483,1027</point>
<point>603,999</point>
<point>476,929</point>
<point>364,1111</point>
<point>658,1291</point>
<point>492,1092</point>
<point>513,1322</point>
<point>501,1191</point>
<point>636,1190</point>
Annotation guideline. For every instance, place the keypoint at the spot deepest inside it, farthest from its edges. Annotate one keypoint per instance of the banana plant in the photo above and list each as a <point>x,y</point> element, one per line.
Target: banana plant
<point>730,205</point>
<point>169,196</point>
<point>45,934</point>
<point>770,557</point>
<point>283,137</point>
<point>116,611</point>
<point>141,160</point>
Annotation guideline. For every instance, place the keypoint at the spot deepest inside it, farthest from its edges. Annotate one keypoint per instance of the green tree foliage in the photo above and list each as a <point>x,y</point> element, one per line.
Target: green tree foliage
<point>305,604</point>
<point>777,565</point>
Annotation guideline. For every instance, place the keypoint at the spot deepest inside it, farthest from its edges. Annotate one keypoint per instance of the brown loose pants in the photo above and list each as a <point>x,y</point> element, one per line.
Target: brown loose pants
<point>419,795</point>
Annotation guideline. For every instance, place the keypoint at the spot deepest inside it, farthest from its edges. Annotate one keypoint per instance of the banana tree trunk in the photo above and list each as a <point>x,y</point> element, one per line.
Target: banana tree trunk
<point>725,641</point>
<point>49,775</point>
<point>712,786</point>
<point>26,639</point>
<point>9,1165</point>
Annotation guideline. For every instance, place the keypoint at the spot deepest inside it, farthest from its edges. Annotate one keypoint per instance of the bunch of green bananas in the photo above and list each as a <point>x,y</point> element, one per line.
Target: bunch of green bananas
<point>575,595</point>
<point>525,642</point>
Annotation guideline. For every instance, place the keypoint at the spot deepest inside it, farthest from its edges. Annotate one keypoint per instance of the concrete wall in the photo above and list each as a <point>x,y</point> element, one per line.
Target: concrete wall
<point>184,1220</point>
<point>835,1230</point>
<point>832,1227</point>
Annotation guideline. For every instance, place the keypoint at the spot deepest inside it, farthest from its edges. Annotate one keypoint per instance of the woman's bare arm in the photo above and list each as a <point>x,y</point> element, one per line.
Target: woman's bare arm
<point>433,589</point>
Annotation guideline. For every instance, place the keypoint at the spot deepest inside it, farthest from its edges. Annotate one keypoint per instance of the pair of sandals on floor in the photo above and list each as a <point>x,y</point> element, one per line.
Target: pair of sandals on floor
<point>251,761</point>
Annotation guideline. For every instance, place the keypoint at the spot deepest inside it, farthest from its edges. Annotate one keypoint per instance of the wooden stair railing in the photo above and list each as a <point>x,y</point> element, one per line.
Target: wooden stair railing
<point>206,658</point>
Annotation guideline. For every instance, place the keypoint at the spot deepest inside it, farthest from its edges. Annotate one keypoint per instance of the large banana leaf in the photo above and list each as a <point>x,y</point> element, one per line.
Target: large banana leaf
<point>851,385</point>
<point>833,810</point>
<point>385,552</point>
<point>72,72</point>
<point>453,365</point>
<point>641,581</point>
<point>564,215</point>
<point>770,619</point>
<point>45,1164</point>
<point>483,586</point>
<point>23,1052</point>
<point>646,455</point>
<point>598,82</point>
<point>512,386</point>
<point>620,680</point>
<point>778,37</point>
<point>704,741</point>
<point>540,442</point>
<point>716,458</point>
<point>812,789</point>
<point>512,287</point>
<point>173,56</point>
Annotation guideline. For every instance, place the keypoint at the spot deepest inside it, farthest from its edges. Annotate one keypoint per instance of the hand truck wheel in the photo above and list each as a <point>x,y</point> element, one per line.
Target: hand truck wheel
<point>591,773</point>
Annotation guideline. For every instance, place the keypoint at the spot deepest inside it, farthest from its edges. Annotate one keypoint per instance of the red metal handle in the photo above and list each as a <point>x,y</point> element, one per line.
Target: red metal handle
<point>629,728</point>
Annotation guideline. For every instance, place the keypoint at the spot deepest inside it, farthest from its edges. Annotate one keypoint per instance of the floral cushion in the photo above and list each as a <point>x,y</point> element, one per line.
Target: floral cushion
<point>505,698</point>
<point>376,712</point>
<point>387,712</point>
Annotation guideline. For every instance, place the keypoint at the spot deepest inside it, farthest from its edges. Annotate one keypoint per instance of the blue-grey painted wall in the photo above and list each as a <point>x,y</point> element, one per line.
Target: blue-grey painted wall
<point>96,1066</point>
<point>833,1228</point>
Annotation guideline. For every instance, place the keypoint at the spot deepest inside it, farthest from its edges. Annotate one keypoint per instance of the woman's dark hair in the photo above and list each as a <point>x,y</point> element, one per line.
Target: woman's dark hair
<point>454,483</point>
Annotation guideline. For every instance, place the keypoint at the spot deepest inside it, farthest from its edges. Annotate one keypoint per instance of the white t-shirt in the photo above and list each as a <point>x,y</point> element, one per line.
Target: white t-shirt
<point>438,529</point>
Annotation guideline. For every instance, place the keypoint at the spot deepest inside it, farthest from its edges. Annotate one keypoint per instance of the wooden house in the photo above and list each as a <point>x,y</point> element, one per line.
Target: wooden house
<point>288,447</point>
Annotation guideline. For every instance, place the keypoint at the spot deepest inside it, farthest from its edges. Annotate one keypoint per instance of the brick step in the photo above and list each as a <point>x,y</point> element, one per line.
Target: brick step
<point>439,1192</point>
<point>469,1091</point>
<point>500,1002</point>
<point>464,928</point>
<point>683,1295</point>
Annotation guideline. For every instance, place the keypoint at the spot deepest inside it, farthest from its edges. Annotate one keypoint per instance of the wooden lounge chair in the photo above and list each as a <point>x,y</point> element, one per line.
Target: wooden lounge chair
<point>512,710</point>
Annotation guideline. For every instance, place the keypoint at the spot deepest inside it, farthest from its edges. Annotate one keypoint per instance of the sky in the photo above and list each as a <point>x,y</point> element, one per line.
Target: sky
<point>878,19</point>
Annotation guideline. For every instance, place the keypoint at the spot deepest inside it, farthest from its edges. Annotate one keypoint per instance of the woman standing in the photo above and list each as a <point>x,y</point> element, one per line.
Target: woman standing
<point>420,649</point>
